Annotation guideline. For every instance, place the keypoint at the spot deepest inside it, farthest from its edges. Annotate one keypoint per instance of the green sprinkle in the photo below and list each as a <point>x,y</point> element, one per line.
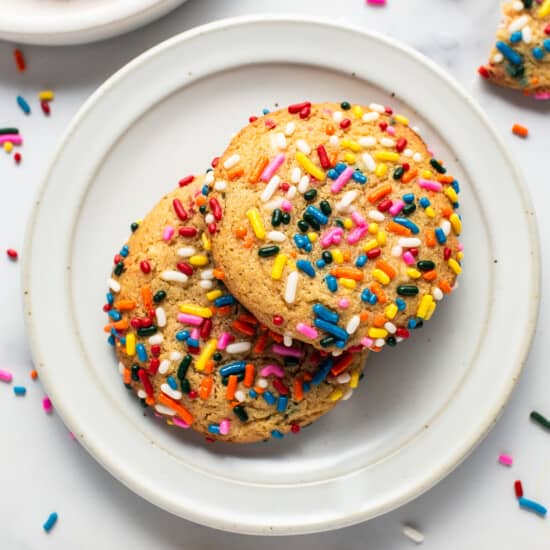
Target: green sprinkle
<point>159,296</point>
<point>285,218</point>
<point>134,371</point>
<point>267,251</point>
<point>327,257</point>
<point>407,290</point>
<point>303,226</point>
<point>437,166</point>
<point>345,105</point>
<point>217,356</point>
<point>147,331</point>
<point>134,226</point>
<point>516,71</point>
<point>527,4</point>
<point>183,366</point>
<point>539,419</point>
<point>310,195</point>
<point>9,131</point>
<point>185,386</point>
<point>425,265</point>
<point>408,209</point>
<point>119,268</point>
<point>312,221</point>
<point>327,341</point>
<point>276,217</point>
<point>240,413</point>
<point>391,341</point>
<point>325,208</point>
<point>398,172</point>
<point>202,209</point>
<point>339,223</point>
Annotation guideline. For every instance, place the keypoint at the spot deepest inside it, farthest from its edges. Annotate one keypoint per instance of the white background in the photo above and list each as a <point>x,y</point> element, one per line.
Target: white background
<point>43,470</point>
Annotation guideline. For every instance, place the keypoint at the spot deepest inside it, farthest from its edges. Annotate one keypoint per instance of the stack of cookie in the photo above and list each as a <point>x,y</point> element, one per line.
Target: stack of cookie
<point>245,303</point>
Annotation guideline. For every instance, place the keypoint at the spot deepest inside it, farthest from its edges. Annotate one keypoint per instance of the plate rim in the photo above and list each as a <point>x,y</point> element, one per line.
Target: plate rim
<point>483,428</point>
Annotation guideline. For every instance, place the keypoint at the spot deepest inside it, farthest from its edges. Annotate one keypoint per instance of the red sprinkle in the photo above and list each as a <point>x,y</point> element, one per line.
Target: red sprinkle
<point>402,332</point>
<point>483,71</point>
<point>280,387</point>
<point>214,162</point>
<point>206,327</point>
<point>414,251</point>
<point>145,266</point>
<point>107,307</point>
<point>323,157</point>
<point>17,158</point>
<point>374,253</point>
<point>216,208</point>
<point>45,107</point>
<point>401,144</point>
<point>285,186</point>
<point>346,123</point>
<point>297,107</point>
<point>155,350</point>
<point>135,322</point>
<point>212,228</point>
<point>117,258</point>
<point>270,124</point>
<point>406,166</point>
<point>385,205</point>
<point>12,254</point>
<point>295,428</point>
<point>186,180</point>
<point>446,253</point>
<point>305,112</point>
<point>185,268</point>
<point>547,29</point>
<point>388,110</point>
<point>146,322</point>
<point>252,119</point>
<point>154,365</point>
<point>19,60</point>
<point>188,231</point>
<point>180,210</point>
<point>277,320</point>
<point>147,386</point>
<point>518,488</point>
<point>193,394</point>
<point>383,126</point>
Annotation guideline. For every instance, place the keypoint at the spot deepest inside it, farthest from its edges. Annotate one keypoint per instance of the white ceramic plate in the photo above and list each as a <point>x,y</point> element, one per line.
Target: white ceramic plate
<point>423,406</point>
<point>55,22</point>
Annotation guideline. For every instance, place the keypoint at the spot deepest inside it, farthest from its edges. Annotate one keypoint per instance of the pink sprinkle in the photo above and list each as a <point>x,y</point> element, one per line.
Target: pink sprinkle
<point>168,233</point>
<point>179,422</point>
<point>195,334</point>
<point>396,207</point>
<point>358,219</point>
<point>332,236</point>
<point>507,460</point>
<point>408,258</point>
<point>429,184</point>
<point>188,319</point>
<point>275,370</point>
<point>272,167</point>
<point>224,426</point>
<point>376,2</point>
<point>47,405</point>
<point>390,130</point>
<point>287,352</point>
<point>16,139</point>
<point>542,95</point>
<point>460,246</point>
<point>343,303</point>
<point>6,376</point>
<point>307,330</point>
<point>367,342</point>
<point>357,234</point>
<point>341,180</point>
<point>71,435</point>
<point>286,205</point>
<point>224,340</point>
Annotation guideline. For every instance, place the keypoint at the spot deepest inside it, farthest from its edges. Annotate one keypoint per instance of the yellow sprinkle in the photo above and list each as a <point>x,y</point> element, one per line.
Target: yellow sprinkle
<point>391,311</point>
<point>347,283</point>
<point>426,174</point>
<point>214,294</point>
<point>357,110</point>
<point>255,220</point>
<point>192,309</point>
<point>370,245</point>
<point>350,144</point>
<point>348,223</point>
<point>433,305</point>
<point>207,351</point>
<point>8,146</point>
<point>459,255</point>
<point>373,228</point>
<point>451,193</point>
<point>198,260</point>
<point>336,394</point>
<point>380,276</point>
<point>309,167</point>
<point>414,273</point>
<point>401,119</point>
<point>349,158</point>
<point>46,95</point>
<point>312,236</point>
<point>278,266</point>
<point>430,212</point>
<point>455,266</point>
<point>169,421</point>
<point>206,242</point>
<point>544,10</point>
<point>131,344</point>
<point>389,156</point>
<point>381,238</point>
<point>377,332</point>
<point>424,306</point>
<point>337,256</point>
<point>381,170</point>
<point>292,265</point>
<point>456,224</point>
<point>354,380</point>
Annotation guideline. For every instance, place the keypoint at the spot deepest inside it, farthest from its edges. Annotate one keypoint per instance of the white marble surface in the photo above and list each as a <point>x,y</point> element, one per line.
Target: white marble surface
<point>42,469</point>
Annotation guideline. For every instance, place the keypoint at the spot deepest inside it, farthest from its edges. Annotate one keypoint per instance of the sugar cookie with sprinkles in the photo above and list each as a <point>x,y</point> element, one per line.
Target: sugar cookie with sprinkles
<point>196,356</point>
<point>334,224</point>
<point>520,57</point>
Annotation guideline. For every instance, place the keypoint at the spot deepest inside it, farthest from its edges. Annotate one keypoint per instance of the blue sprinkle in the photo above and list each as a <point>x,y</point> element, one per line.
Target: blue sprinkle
<point>407,223</point>
<point>19,390</point>
<point>361,260</point>
<point>307,387</point>
<point>172,382</point>
<point>232,368</point>
<point>456,186</point>
<point>114,314</point>
<point>182,335</point>
<point>301,241</point>
<point>277,434</point>
<point>320,263</point>
<point>111,340</point>
<point>191,342</point>
<point>340,167</point>
<point>50,522</point>
<point>365,295</point>
<point>359,177</point>
<point>122,338</point>
<point>205,189</point>
<point>538,53</point>
<point>332,174</point>
<point>322,372</point>
<point>306,267</point>
<point>141,352</point>
<point>332,283</point>
<point>265,111</point>
<point>269,398</point>
<point>325,313</point>
<point>110,298</point>
<point>400,303</point>
<point>408,197</point>
<point>317,214</point>
<point>373,299</point>
<point>214,429</point>
<point>25,107</point>
<point>509,53</point>
<point>424,202</point>
<point>340,344</point>
<point>282,403</point>
<point>440,235</point>
<point>515,37</point>
<point>411,323</point>
<point>532,505</point>
<point>546,44</point>
<point>124,251</point>
<point>227,300</point>
<point>331,328</point>
<point>252,394</point>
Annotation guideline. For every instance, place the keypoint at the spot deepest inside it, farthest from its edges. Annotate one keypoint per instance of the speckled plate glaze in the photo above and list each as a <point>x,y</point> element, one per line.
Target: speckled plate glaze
<point>423,405</point>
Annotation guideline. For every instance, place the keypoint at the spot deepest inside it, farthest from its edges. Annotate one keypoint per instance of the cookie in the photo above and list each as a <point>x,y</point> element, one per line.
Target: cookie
<point>193,353</point>
<point>520,57</point>
<point>334,224</point>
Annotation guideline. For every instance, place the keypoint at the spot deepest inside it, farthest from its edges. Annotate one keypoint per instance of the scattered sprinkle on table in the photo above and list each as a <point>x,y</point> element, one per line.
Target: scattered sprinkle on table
<point>533,506</point>
<point>518,488</point>
<point>47,405</point>
<point>413,534</point>
<point>520,130</point>
<point>45,95</point>
<point>50,522</point>
<point>22,102</point>
<point>19,60</point>
<point>19,390</point>
<point>5,376</point>
<point>539,419</point>
<point>12,254</point>
<point>34,374</point>
<point>506,460</point>
<point>376,2</point>
<point>17,157</point>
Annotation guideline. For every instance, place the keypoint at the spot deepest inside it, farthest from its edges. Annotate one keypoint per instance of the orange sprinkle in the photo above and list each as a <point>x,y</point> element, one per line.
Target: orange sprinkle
<point>333,158</point>
<point>244,328</point>
<point>240,232</point>
<point>125,305</point>
<point>231,386</point>
<point>258,169</point>
<point>430,275</point>
<point>180,410</point>
<point>249,373</point>
<point>341,364</point>
<point>445,286</point>
<point>147,296</point>
<point>347,255</point>
<point>223,311</point>
<point>445,179</point>
<point>34,374</point>
<point>430,237</point>
<point>150,401</point>
<point>535,80</point>
<point>380,192</point>
<point>520,130</point>
<point>446,211</point>
<point>375,288</point>
<point>409,176</point>
<point>257,389</point>
<point>348,273</point>
<point>127,376</point>
<point>235,173</point>
<point>248,318</point>
<point>260,344</point>
<point>379,321</point>
<point>200,200</point>
<point>218,273</point>
<point>298,390</point>
<point>234,403</point>
<point>364,316</point>
<point>386,268</point>
<point>209,367</point>
<point>308,377</point>
<point>293,254</point>
<point>399,229</point>
<point>205,387</point>
<point>277,337</point>
<point>121,326</point>
<point>329,129</point>
<point>248,242</point>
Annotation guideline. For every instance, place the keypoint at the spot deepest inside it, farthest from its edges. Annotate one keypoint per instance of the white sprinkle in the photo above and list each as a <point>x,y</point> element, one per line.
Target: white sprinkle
<point>231,161</point>
<point>446,226</point>
<point>304,184</point>
<point>517,6</point>
<point>141,394</point>
<point>369,162</point>
<point>303,146</point>
<point>207,274</point>
<point>113,285</point>
<point>347,395</point>
<point>290,127</point>
<point>347,199</point>
<point>209,218</point>
<point>387,142</point>
<point>270,188</point>
<point>160,314</point>
<point>121,368</point>
<point>238,347</point>
<point>337,116</point>
<point>262,383</point>
<point>367,141</point>
<point>437,294</point>
<point>176,355</point>
<point>174,394</point>
<point>377,107</point>
<point>519,23</point>
<point>370,117</point>
<point>276,236</point>
<point>206,284</point>
<point>287,339</point>
<point>375,215</point>
<point>337,352</point>
<point>417,157</point>
<point>156,339</point>
<point>164,410</point>
<point>334,140</point>
<point>295,175</point>
<point>174,276</point>
<point>291,287</point>
<point>343,378</point>
<point>291,193</point>
<point>164,366</point>
<point>240,396</point>
<point>273,204</point>
<point>527,35</point>
<point>186,251</point>
<point>220,185</point>
<point>379,342</point>
<point>409,242</point>
<point>209,178</point>
<point>412,534</point>
<point>390,327</point>
<point>399,339</point>
<point>353,324</point>
<point>396,251</point>
<point>408,152</point>
<point>498,58</point>
<point>280,140</point>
